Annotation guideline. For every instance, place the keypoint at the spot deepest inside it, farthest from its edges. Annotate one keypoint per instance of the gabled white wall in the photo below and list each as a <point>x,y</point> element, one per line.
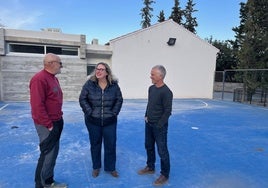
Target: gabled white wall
<point>190,63</point>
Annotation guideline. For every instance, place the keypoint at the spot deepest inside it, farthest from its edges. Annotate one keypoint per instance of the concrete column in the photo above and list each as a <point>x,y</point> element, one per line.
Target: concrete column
<point>83,46</point>
<point>2,52</point>
<point>2,41</point>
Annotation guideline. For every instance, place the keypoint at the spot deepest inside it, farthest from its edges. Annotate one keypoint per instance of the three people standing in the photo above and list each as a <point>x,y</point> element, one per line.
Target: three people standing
<point>101,101</point>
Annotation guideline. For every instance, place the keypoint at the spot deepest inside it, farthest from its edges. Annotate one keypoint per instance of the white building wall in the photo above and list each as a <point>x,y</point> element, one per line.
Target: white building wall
<point>190,63</point>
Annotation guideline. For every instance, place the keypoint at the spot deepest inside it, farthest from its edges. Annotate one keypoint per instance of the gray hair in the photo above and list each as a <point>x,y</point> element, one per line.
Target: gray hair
<point>162,70</point>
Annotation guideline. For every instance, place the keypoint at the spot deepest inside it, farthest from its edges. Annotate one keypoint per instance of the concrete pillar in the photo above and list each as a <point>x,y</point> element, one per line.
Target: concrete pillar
<point>83,46</point>
<point>2,41</point>
<point>2,52</point>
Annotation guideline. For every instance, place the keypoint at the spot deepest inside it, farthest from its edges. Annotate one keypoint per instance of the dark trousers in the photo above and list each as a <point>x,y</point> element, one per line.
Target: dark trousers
<point>107,135</point>
<point>49,147</point>
<point>158,135</point>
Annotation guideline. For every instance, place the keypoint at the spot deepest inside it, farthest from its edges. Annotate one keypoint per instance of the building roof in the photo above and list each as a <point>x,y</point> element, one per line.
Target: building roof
<point>163,24</point>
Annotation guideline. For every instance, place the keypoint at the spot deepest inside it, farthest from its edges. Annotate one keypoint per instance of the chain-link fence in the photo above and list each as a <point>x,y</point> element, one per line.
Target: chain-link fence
<point>242,85</point>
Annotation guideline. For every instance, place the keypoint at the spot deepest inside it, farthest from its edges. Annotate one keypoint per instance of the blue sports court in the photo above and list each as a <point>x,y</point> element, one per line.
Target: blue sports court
<point>212,144</point>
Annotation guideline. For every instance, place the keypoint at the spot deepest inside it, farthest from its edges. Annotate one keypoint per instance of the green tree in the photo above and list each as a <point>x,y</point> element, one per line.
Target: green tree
<point>146,13</point>
<point>251,44</point>
<point>254,46</point>
<point>161,16</point>
<point>239,39</point>
<point>190,21</point>
<point>177,13</point>
<point>239,30</point>
<point>225,58</point>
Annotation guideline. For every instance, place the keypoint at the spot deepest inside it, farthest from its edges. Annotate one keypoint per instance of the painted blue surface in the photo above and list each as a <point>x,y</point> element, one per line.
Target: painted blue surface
<point>212,144</point>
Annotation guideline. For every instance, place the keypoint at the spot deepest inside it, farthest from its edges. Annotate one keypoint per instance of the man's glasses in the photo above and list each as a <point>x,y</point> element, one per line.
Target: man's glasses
<point>100,69</point>
<point>59,63</point>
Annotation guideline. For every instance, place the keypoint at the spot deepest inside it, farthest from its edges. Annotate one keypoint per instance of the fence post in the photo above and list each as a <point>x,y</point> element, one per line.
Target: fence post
<point>223,81</point>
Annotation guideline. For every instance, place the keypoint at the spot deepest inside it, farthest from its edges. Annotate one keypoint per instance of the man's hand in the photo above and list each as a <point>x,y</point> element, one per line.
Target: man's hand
<point>146,119</point>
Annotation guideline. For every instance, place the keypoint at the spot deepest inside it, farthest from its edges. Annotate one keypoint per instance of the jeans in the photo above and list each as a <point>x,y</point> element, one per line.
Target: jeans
<point>107,135</point>
<point>158,135</point>
<point>49,147</point>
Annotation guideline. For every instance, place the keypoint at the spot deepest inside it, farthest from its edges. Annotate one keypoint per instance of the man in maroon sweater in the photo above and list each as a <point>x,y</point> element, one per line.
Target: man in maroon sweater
<point>46,100</point>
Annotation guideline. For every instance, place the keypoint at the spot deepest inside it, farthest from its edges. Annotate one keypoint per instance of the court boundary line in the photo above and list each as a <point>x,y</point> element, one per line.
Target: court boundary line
<point>205,105</point>
<point>4,107</point>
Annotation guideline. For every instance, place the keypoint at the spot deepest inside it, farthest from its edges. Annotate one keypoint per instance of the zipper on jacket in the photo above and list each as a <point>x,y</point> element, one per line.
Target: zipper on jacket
<point>102,94</point>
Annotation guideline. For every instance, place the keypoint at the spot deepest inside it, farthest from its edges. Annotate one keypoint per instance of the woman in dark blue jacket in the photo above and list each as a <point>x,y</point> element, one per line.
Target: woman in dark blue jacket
<point>101,101</point>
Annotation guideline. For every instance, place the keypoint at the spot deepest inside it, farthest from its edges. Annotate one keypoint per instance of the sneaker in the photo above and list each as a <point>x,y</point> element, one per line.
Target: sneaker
<point>161,180</point>
<point>115,174</point>
<point>95,173</point>
<point>56,185</point>
<point>146,170</point>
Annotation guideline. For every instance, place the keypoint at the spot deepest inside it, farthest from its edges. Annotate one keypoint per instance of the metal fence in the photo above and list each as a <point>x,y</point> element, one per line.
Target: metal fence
<point>242,85</point>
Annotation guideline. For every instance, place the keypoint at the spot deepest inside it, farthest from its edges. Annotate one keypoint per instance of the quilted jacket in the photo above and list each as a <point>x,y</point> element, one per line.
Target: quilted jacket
<point>100,107</point>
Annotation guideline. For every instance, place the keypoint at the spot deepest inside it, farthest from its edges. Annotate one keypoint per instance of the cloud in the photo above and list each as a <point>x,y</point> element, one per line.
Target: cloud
<point>14,15</point>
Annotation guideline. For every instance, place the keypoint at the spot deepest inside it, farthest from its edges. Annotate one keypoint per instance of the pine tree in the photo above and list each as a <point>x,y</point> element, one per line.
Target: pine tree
<point>190,21</point>
<point>239,32</point>
<point>251,44</point>
<point>161,16</point>
<point>254,48</point>
<point>177,13</point>
<point>225,58</point>
<point>146,13</point>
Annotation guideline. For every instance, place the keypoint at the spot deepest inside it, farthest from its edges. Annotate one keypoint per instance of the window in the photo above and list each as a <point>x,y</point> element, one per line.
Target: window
<point>90,69</point>
<point>22,48</point>
<point>42,49</point>
<point>62,50</point>
<point>55,50</point>
<point>70,51</point>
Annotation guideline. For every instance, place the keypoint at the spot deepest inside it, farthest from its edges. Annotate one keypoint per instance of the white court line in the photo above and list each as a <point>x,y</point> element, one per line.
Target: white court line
<point>206,104</point>
<point>202,106</point>
<point>3,107</point>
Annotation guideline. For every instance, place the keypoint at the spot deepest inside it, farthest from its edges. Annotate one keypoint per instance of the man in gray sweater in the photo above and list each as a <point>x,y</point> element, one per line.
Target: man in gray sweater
<point>157,113</point>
